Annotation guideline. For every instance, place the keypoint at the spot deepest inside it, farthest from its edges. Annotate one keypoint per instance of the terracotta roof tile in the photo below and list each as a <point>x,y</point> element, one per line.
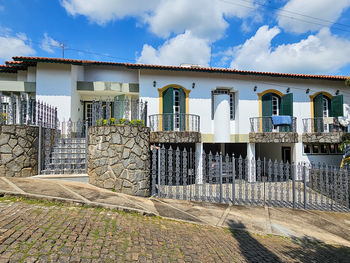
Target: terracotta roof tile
<point>25,60</point>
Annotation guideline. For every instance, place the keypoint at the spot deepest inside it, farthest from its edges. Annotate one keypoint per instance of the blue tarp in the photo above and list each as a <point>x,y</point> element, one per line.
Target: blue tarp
<point>281,120</point>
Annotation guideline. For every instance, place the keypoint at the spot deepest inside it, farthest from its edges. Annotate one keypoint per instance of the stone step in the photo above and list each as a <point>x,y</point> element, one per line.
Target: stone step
<point>68,161</point>
<point>64,171</point>
<point>52,166</point>
<point>68,155</point>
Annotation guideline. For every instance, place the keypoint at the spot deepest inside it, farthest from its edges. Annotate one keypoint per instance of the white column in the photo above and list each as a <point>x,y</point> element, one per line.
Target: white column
<point>251,165</point>
<point>199,158</point>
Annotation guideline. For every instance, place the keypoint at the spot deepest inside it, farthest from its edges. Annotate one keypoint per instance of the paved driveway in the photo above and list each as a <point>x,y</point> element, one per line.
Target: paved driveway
<point>38,231</point>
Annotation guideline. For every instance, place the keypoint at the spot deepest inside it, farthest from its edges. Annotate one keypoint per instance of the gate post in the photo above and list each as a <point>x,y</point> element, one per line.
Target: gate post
<point>220,174</point>
<point>233,178</point>
<point>39,148</point>
<point>304,179</point>
<point>293,184</point>
<point>86,144</point>
<point>159,167</point>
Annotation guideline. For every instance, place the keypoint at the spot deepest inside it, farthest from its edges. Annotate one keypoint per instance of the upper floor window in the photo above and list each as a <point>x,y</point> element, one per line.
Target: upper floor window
<point>327,106</point>
<point>232,101</point>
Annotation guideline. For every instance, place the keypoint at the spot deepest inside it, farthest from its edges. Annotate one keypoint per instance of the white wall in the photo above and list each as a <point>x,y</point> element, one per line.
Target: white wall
<point>63,104</point>
<point>76,108</point>
<point>53,85</point>
<point>8,76</point>
<point>110,73</point>
<point>31,74</point>
<point>21,75</point>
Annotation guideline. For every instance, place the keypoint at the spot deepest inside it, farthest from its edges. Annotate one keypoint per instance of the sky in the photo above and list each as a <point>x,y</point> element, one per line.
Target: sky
<point>289,36</point>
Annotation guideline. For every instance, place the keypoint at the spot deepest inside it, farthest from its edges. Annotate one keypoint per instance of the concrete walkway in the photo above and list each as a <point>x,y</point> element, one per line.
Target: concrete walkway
<point>328,227</point>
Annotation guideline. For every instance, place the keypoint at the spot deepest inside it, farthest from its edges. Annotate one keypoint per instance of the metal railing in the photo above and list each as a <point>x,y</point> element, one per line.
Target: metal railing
<point>25,110</point>
<point>221,178</point>
<point>174,122</point>
<point>327,124</point>
<point>105,112</point>
<point>265,124</point>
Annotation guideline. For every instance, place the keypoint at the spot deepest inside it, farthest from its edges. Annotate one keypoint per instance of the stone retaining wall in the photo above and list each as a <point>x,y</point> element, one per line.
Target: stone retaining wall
<point>322,137</point>
<point>175,137</point>
<point>119,158</point>
<point>19,150</point>
<point>273,137</point>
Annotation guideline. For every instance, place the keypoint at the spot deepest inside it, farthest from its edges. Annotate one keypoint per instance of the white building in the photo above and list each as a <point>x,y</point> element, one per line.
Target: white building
<point>234,110</point>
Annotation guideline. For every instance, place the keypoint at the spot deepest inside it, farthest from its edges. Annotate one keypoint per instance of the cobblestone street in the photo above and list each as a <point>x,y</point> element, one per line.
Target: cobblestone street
<point>42,231</point>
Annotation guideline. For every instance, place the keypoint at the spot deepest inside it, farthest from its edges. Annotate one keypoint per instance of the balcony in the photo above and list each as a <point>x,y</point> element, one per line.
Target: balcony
<point>175,128</point>
<point>324,130</point>
<point>272,130</point>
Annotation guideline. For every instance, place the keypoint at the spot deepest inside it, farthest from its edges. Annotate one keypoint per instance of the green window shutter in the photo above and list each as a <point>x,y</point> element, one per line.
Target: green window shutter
<point>287,104</point>
<point>266,112</point>
<point>286,108</point>
<point>318,106</point>
<point>318,113</point>
<point>267,104</point>
<point>119,107</point>
<point>182,100</point>
<point>337,106</point>
<point>168,103</point>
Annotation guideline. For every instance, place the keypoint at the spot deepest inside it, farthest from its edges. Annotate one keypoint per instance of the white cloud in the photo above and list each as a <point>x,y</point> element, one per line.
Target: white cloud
<point>49,43</point>
<point>329,10</point>
<point>103,11</point>
<point>184,48</point>
<point>318,54</point>
<point>13,45</point>
<point>205,18</point>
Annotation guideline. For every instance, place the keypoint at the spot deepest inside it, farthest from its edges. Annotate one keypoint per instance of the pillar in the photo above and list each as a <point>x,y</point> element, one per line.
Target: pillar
<point>199,158</point>
<point>251,164</point>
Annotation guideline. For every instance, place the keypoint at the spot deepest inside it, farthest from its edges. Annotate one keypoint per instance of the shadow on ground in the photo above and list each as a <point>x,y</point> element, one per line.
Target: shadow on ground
<point>317,251</point>
<point>299,250</point>
<point>250,248</point>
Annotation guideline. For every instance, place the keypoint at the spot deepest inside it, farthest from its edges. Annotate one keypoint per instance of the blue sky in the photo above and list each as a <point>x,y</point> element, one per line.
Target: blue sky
<point>295,36</point>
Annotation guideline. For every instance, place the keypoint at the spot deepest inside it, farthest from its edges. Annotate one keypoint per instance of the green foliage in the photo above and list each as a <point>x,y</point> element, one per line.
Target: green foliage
<point>113,121</point>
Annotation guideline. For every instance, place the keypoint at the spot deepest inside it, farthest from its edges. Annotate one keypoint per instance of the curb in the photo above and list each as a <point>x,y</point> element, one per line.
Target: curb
<point>78,202</point>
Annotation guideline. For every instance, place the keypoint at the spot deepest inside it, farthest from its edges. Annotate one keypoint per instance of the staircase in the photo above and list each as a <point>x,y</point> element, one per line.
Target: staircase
<point>68,156</point>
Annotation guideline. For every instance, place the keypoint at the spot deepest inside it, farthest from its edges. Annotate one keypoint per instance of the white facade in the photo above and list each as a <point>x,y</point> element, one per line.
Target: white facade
<point>57,84</point>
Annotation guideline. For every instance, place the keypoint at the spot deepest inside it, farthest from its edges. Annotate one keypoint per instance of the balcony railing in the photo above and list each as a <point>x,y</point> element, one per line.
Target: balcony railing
<point>326,124</point>
<point>266,124</point>
<point>174,122</point>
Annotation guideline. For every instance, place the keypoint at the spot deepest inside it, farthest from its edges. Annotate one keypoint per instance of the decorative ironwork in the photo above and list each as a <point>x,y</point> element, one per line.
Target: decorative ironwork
<point>328,191</point>
<point>265,124</point>
<point>174,122</point>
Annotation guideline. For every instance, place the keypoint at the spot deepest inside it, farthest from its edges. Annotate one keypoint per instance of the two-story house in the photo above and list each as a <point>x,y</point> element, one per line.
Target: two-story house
<point>288,117</point>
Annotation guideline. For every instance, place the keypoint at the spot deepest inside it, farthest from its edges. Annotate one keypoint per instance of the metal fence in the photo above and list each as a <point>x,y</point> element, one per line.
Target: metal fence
<point>327,124</point>
<point>25,110</point>
<point>226,179</point>
<point>265,124</point>
<point>174,122</point>
<point>105,112</point>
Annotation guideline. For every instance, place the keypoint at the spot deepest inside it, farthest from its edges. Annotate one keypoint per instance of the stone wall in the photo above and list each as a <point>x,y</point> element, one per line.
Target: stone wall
<point>273,137</point>
<point>19,150</point>
<point>322,137</point>
<point>175,137</point>
<point>119,158</point>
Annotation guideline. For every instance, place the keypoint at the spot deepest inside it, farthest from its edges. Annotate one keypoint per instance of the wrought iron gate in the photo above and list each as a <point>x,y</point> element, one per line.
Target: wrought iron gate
<point>226,179</point>
<point>64,148</point>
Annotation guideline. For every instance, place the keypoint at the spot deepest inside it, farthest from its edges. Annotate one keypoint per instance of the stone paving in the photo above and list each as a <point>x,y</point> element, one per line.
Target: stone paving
<point>44,231</point>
